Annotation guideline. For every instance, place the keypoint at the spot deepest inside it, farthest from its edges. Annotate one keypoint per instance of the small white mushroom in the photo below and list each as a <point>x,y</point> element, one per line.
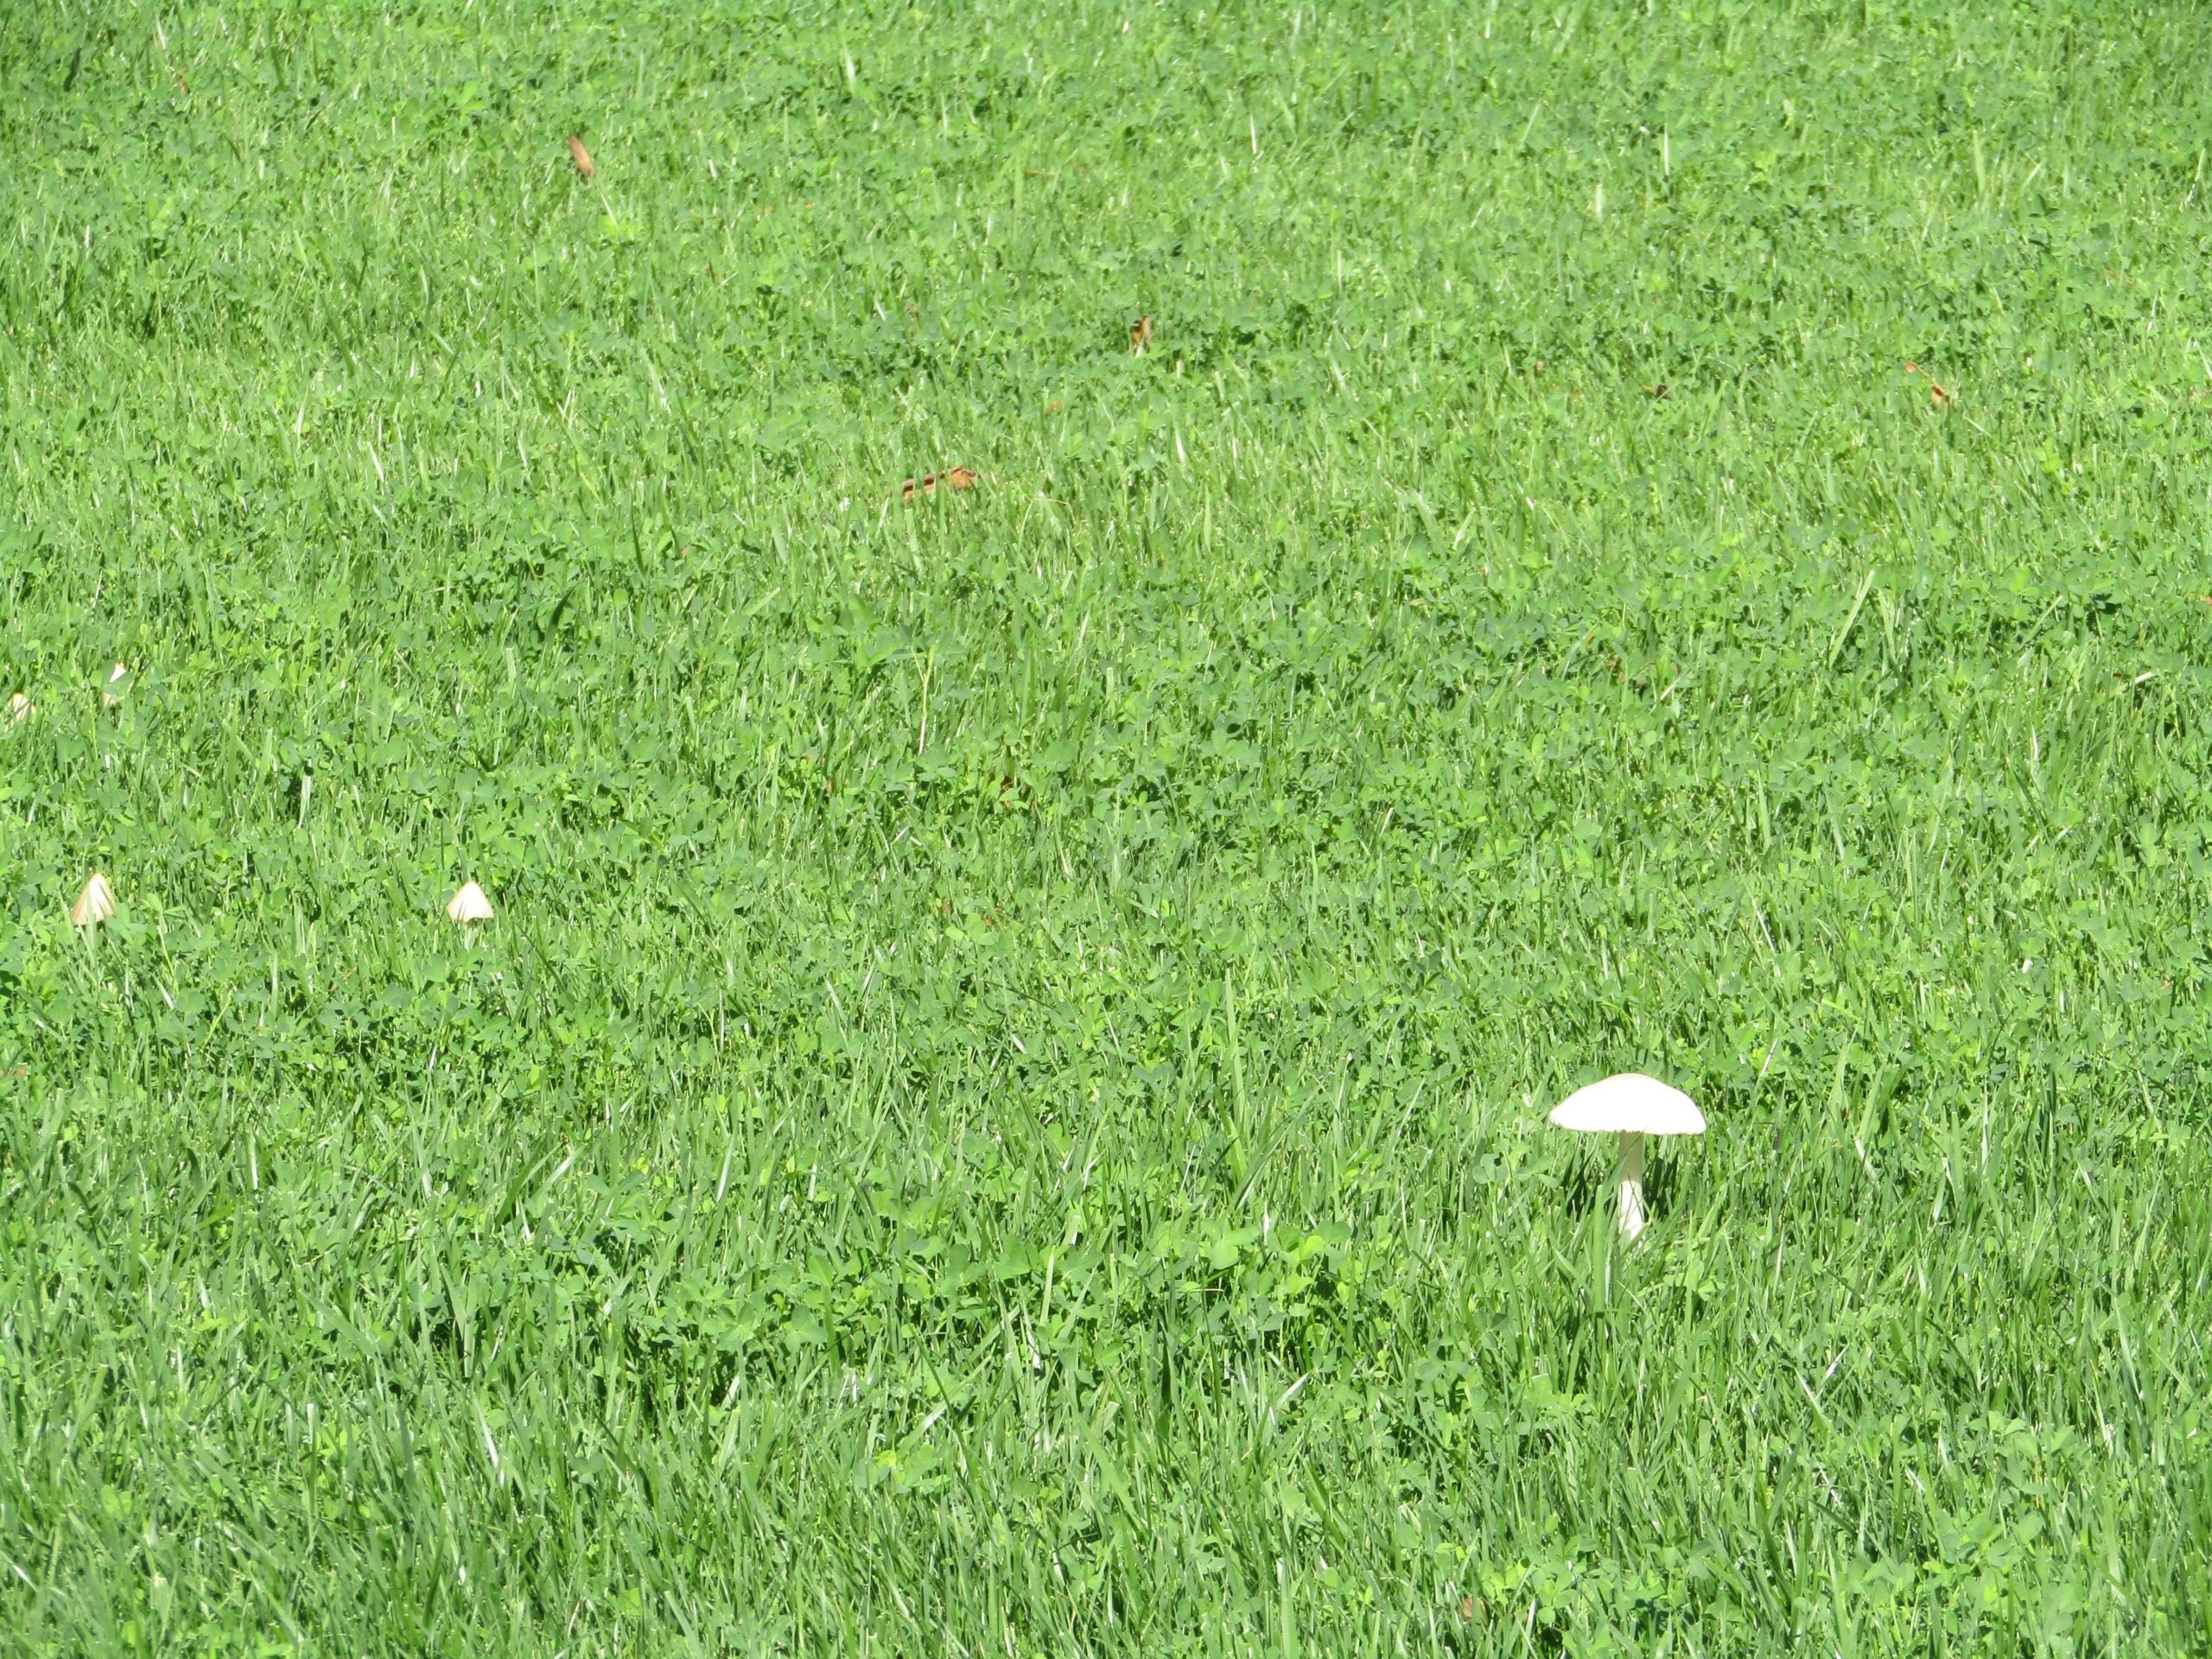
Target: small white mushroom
<point>1631,1106</point>
<point>118,681</point>
<point>19,708</point>
<point>94,905</point>
<point>469,905</point>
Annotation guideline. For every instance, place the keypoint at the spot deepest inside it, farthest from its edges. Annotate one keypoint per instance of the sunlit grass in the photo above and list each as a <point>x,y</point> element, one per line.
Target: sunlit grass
<point>1001,1107</point>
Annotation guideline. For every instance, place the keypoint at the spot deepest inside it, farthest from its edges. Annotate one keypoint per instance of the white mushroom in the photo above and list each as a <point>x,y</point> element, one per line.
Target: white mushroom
<point>469,905</point>
<point>19,708</point>
<point>118,681</point>
<point>1631,1106</point>
<point>95,903</point>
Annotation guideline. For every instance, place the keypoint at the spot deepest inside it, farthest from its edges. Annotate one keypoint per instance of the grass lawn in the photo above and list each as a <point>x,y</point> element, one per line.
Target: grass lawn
<point>1001,1109</point>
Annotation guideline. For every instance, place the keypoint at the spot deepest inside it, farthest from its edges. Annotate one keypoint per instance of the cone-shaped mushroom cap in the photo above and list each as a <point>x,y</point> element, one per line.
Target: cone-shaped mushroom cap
<point>469,905</point>
<point>95,903</point>
<point>19,709</point>
<point>118,681</point>
<point>1631,1104</point>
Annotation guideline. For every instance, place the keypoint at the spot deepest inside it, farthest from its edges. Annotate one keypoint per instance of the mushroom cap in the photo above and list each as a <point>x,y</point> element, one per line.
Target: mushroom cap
<point>94,905</point>
<point>1629,1103</point>
<point>469,905</point>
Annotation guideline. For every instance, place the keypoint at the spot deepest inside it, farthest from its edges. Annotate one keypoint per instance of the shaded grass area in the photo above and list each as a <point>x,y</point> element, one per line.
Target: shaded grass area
<point>1002,1107</point>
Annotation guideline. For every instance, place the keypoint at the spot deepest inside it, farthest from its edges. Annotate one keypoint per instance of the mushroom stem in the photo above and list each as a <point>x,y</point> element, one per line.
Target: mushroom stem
<point>1631,1178</point>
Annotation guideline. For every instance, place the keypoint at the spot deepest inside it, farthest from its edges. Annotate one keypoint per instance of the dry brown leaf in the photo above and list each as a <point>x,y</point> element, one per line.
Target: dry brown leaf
<point>1140,334</point>
<point>957,478</point>
<point>1936,394</point>
<point>583,157</point>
